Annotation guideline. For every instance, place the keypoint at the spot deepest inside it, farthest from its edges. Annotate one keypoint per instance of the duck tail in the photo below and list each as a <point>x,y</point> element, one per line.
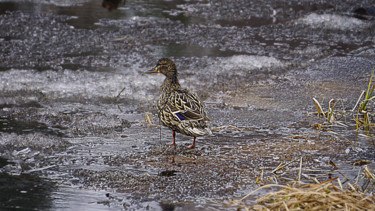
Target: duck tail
<point>200,131</point>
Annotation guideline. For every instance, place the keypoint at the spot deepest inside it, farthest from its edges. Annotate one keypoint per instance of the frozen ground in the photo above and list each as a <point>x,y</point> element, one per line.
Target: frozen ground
<point>72,142</point>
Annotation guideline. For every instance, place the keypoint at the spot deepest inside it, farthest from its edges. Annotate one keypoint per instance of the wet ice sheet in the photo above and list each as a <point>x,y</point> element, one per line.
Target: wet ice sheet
<point>248,63</point>
<point>64,3</point>
<point>73,85</point>
<point>334,22</point>
<point>83,200</point>
<point>69,84</point>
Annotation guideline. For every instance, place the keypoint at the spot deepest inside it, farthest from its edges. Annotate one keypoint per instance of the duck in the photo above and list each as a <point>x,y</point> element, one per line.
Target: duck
<point>179,109</point>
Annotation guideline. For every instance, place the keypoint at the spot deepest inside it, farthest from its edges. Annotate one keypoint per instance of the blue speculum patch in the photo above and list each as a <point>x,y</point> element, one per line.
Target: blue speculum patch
<point>179,115</point>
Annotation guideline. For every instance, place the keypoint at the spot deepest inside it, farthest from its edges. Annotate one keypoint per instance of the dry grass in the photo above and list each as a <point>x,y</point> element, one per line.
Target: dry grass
<point>328,195</point>
<point>325,196</point>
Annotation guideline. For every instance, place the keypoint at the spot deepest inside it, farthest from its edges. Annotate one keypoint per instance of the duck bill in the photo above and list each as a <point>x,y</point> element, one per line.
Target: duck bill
<point>154,70</point>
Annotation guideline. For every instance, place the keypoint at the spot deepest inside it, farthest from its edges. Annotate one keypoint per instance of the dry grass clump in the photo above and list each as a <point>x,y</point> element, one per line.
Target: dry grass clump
<point>329,195</point>
<point>326,196</point>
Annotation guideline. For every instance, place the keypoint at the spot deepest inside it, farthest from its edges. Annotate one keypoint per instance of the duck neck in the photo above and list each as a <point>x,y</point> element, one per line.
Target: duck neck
<point>170,84</point>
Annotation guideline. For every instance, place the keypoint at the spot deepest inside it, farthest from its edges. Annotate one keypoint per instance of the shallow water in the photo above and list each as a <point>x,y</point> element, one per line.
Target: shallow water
<point>77,142</point>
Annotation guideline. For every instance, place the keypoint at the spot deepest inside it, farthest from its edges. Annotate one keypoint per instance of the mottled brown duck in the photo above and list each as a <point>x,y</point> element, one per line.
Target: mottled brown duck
<point>179,109</point>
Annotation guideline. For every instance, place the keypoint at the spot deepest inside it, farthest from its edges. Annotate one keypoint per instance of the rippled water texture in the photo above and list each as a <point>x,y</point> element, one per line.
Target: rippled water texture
<point>71,140</point>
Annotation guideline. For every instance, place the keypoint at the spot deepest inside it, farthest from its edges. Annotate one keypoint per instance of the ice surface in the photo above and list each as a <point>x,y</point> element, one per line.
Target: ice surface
<point>62,3</point>
<point>85,84</point>
<point>230,70</point>
<point>336,22</point>
<point>69,84</point>
<point>250,62</point>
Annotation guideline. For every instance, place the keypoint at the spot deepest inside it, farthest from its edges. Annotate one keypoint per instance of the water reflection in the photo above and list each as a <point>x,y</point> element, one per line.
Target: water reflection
<point>3,162</point>
<point>25,192</point>
<point>111,4</point>
<point>85,14</point>
<point>364,13</point>
<point>9,125</point>
<point>184,50</point>
<point>165,206</point>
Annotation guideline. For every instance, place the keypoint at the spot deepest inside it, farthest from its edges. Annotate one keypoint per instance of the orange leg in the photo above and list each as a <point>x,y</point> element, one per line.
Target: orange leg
<point>174,137</point>
<point>193,145</point>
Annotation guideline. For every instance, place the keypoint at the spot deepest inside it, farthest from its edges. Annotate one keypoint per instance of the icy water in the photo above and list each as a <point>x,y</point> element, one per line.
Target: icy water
<point>71,140</point>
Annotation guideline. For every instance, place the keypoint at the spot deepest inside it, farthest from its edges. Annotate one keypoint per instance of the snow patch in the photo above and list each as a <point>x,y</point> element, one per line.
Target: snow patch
<point>329,21</point>
<point>251,62</point>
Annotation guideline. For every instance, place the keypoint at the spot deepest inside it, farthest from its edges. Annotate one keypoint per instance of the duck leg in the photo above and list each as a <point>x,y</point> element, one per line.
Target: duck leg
<point>193,145</point>
<point>174,137</point>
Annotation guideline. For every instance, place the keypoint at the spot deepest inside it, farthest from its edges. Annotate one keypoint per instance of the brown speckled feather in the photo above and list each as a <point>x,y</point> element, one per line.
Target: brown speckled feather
<point>179,109</point>
<point>183,112</point>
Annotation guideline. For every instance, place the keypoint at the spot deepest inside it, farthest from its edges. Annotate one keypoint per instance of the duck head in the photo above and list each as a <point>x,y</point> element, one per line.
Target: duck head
<point>166,67</point>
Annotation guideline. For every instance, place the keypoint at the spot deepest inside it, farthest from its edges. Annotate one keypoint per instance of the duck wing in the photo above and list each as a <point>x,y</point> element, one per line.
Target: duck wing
<point>186,106</point>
